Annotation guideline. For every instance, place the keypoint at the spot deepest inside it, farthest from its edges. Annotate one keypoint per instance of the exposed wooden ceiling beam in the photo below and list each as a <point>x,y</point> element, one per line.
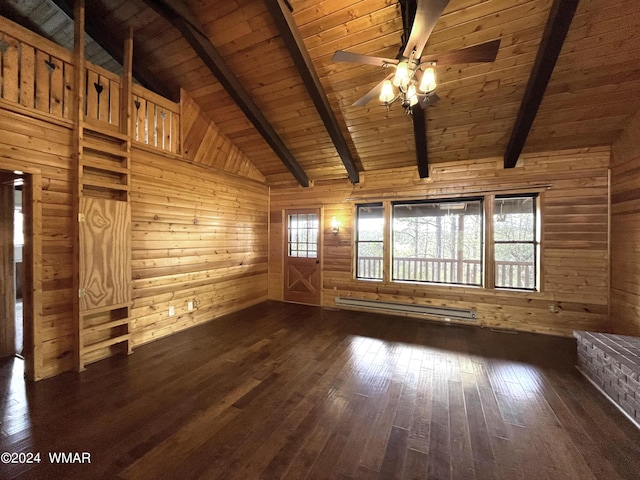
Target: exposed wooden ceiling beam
<point>103,35</point>
<point>178,14</point>
<point>555,32</point>
<point>420,134</point>
<point>281,13</point>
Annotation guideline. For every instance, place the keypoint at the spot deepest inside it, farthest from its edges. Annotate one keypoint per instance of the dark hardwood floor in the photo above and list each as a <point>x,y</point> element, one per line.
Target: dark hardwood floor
<point>283,391</point>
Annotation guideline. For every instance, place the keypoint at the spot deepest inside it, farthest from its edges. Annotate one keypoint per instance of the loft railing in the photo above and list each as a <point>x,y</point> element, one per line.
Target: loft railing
<point>156,120</point>
<point>446,270</point>
<point>37,75</point>
<point>102,96</point>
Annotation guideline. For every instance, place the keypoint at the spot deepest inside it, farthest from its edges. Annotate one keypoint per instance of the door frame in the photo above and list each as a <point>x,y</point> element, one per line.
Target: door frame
<point>7,264</point>
<point>32,263</point>
<point>285,247</point>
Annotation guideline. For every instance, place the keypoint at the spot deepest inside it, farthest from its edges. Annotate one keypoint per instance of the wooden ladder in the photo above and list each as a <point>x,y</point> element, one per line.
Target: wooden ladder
<point>102,262</point>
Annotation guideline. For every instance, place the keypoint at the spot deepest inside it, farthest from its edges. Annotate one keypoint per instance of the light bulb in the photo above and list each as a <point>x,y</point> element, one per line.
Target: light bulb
<point>335,225</point>
<point>428,83</point>
<point>386,93</point>
<point>411,95</point>
<point>401,78</point>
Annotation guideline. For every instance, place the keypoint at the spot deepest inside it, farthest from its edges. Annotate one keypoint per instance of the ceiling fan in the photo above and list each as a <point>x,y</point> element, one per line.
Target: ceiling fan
<point>413,82</point>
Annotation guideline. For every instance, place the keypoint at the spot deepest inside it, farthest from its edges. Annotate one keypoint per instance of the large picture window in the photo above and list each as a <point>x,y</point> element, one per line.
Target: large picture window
<point>369,241</point>
<point>516,241</point>
<point>444,241</point>
<point>438,242</point>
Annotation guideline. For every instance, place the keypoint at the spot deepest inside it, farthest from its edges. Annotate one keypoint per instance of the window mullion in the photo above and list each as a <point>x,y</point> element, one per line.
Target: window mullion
<point>489,250</point>
<point>386,242</point>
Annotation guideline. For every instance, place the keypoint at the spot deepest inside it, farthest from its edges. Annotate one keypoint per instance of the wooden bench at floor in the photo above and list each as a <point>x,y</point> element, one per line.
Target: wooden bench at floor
<point>612,364</point>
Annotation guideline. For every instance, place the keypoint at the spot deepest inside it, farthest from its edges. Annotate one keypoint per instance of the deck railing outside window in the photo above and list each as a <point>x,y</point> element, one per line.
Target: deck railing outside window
<point>508,274</point>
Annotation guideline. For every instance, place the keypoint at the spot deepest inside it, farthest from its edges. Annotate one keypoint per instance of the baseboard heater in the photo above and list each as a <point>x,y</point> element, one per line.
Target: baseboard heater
<point>393,307</point>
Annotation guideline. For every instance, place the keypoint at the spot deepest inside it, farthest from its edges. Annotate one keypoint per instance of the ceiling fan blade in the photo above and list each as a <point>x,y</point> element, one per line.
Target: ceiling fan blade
<point>371,94</point>
<point>342,56</point>
<point>388,52</point>
<point>430,99</point>
<point>484,52</point>
<point>428,13</point>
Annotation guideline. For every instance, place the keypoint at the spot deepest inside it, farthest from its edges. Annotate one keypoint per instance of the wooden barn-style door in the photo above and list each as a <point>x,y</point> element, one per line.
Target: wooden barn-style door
<point>302,256</point>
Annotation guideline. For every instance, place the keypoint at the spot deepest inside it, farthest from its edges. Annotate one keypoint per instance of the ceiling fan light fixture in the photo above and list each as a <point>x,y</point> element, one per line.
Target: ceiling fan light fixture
<point>412,97</point>
<point>428,82</point>
<point>401,78</point>
<point>386,92</point>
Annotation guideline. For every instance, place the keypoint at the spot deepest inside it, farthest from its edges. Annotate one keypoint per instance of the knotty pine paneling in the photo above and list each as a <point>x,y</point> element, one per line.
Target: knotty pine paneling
<point>205,144</point>
<point>574,211</point>
<point>104,256</point>
<point>36,146</point>
<point>625,230</point>
<point>197,234</point>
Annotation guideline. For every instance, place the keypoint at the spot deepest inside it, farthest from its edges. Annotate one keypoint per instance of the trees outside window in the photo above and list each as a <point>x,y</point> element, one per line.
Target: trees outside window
<point>515,241</point>
<point>443,241</point>
<point>370,241</point>
<point>303,235</point>
<point>438,242</point>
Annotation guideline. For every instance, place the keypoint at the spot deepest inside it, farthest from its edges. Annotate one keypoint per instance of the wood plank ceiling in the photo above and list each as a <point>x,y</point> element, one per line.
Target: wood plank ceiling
<point>594,87</point>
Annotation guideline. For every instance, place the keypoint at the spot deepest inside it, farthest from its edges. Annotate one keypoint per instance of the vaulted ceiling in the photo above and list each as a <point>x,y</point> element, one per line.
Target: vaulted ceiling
<point>594,87</point>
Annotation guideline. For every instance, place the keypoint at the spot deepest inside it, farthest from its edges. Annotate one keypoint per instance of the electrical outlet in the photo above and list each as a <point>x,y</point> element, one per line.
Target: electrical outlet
<point>190,305</point>
<point>195,303</point>
<point>553,308</point>
<point>172,311</point>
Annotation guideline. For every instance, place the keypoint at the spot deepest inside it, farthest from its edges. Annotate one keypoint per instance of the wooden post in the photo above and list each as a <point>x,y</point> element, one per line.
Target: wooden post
<point>127,82</point>
<point>78,109</point>
<point>32,261</point>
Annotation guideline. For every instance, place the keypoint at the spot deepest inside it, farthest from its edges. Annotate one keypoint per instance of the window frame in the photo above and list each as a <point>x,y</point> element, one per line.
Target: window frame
<point>536,242</point>
<point>487,264</point>
<point>358,242</point>
<point>482,234</point>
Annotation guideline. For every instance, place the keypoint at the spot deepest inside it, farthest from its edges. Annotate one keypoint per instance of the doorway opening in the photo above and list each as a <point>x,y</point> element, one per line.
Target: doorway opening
<point>18,258</point>
<point>13,257</point>
<point>20,281</point>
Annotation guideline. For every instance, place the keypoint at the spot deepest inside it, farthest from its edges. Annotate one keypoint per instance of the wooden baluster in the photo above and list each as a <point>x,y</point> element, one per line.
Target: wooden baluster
<point>27,75</point>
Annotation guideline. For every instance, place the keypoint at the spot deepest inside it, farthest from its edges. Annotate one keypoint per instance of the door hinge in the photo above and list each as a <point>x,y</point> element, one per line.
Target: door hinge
<point>81,218</point>
<point>82,292</point>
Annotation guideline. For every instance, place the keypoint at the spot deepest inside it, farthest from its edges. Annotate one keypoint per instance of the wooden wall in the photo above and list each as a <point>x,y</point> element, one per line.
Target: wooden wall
<point>34,145</point>
<point>198,234</point>
<point>625,230</point>
<point>205,144</point>
<point>574,238</point>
